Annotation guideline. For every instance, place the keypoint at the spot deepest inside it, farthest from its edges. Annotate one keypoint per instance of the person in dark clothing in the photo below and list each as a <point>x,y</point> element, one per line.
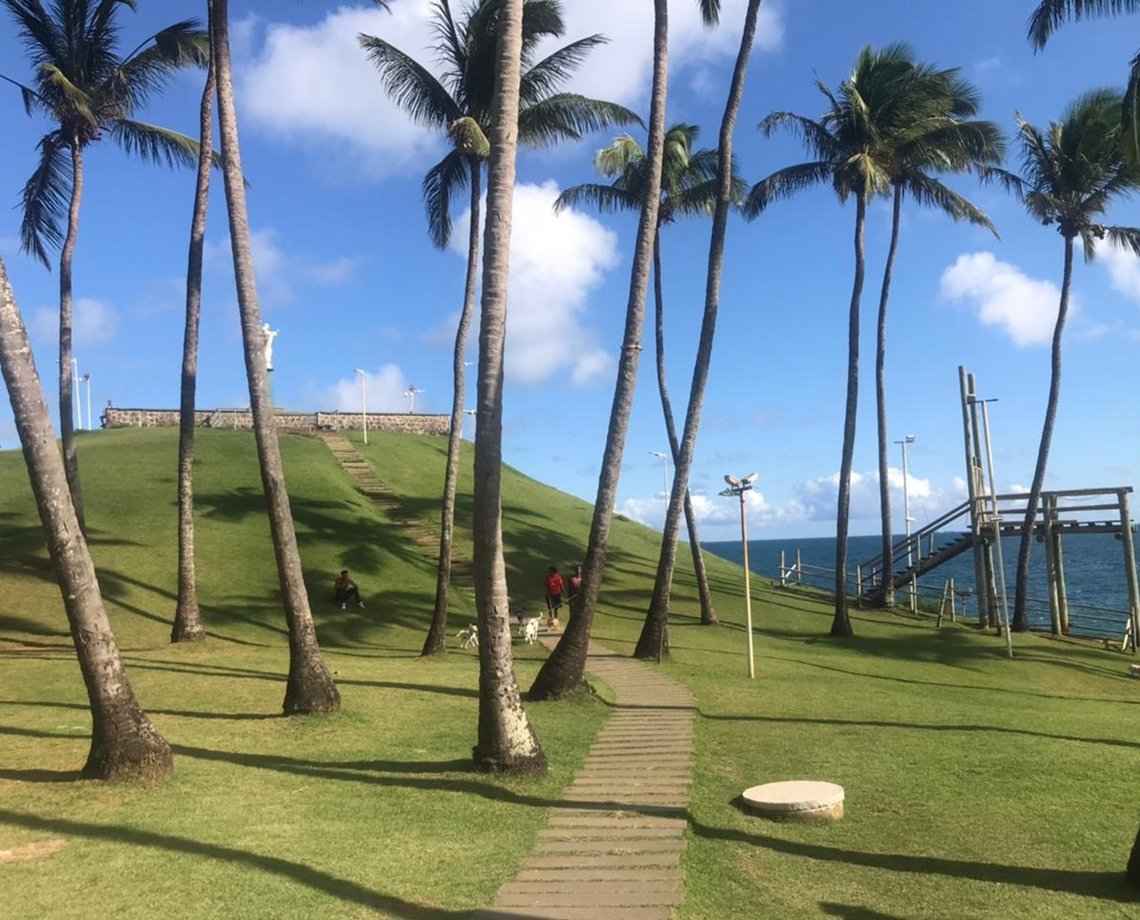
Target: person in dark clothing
<point>345,590</point>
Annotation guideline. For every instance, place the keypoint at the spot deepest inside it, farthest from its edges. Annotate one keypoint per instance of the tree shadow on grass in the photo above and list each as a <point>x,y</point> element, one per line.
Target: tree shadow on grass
<point>851,912</point>
<point>1105,886</point>
<point>341,889</point>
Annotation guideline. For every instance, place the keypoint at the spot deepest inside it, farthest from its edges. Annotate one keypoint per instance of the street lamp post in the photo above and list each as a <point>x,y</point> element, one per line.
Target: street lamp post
<point>664,458</point>
<point>76,396</point>
<point>738,487</point>
<point>907,519</point>
<point>87,380</point>
<point>363,406</point>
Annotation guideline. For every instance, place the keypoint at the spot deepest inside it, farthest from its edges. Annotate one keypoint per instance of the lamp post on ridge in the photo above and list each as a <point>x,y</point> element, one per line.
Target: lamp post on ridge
<point>363,406</point>
<point>76,396</point>
<point>87,380</point>
<point>664,458</point>
<point>737,487</point>
<point>907,519</point>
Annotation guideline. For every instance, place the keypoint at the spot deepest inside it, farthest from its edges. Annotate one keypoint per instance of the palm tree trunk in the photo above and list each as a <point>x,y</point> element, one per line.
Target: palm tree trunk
<point>310,686</point>
<point>436,641</point>
<point>187,617</point>
<point>506,742</point>
<point>564,669</point>
<point>1020,611</point>
<point>841,624</point>
<point>708,614</point>
<point>654,633</point>
<point>66,396</point>
<point>124,743</point>
<point>887,589</point>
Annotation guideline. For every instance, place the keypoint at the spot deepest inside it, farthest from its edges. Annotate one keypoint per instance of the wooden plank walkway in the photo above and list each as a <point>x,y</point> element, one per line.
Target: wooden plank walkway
<point>612,848</point>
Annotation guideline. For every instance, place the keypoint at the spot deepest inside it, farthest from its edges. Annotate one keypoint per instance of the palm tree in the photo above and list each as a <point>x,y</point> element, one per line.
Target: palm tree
<point>89,92</point>
<point>124,743</point>
<point>931,137</point>
<point>564,669</point>
<point>853,152</point>
<point>1051,13</point>
<point>310,686</point>
<point>1069,177</point>
<point>461,106</point>
<point>654,636</point>
<point>506,742</point>
<point>187,617</point>
<point>688,187</point>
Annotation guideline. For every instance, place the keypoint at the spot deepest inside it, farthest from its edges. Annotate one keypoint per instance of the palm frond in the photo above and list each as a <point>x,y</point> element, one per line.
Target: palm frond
<point>1044,20</point>
<point>45,199</point>
<point>929,192</point>
<point>785,183</point>
<point>31,99</point>
<point>449,176</point>
<point>410,85</point>
<point>1009,181</point>
<point>1131,115</point>
<point>567,116</point>
<point>545,77</point>
<point>147,71</point>
<point>606,199</point>
<point>710,12</point>
<point>813,134</point>
<point>625,152</point>
<point>1127,238</point>
<point>450,48</point>
<point>40,33</point>
<point>64,96</point>
<point>154,144</point>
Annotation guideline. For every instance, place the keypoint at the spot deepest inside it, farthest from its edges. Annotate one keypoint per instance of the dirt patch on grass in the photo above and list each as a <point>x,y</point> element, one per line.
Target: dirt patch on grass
<point>44,849</point>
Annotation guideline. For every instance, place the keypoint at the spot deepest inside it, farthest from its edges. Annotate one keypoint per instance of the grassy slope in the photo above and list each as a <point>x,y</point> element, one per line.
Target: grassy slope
<point>976,786</point>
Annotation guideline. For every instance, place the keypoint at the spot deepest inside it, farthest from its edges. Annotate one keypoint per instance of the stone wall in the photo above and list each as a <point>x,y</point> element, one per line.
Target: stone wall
<point>410,423</point>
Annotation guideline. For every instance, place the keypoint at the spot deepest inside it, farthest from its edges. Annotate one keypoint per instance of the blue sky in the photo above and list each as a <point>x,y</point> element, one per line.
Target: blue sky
<point>349,277</point>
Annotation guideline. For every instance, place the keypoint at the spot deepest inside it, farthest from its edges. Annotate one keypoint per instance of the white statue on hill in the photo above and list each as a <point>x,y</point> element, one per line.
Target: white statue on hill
<point>268,335</point>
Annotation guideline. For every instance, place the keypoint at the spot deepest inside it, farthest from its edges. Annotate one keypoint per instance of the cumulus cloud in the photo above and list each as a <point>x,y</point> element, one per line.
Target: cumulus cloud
<point>1123,269</point>
<point>818,497</point>
<point>313,83</point>
<point>384,391</point>
<point>94,321</point>
<point>712,510</point>
<point>556,260</point>
<point>1004,296</point>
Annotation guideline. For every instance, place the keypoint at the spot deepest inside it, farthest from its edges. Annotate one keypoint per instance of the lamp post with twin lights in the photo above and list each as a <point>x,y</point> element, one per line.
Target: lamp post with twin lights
<point>738,487</point>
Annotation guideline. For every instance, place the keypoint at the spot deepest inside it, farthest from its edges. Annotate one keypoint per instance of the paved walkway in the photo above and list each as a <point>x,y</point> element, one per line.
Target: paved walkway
<point>612,848</point>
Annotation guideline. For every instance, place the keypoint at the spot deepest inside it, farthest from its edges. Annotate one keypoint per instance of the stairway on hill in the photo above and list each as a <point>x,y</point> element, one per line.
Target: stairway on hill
<point>390,505</point>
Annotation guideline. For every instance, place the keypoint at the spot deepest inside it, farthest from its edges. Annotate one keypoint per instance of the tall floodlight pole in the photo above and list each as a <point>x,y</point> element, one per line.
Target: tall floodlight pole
<point>76,396</point>
<point>87,380</point>
<point>363,406</point>
<point>664,458</point>
<point>737,487</point>
<point>1003,602</point>
<point>907,519</point>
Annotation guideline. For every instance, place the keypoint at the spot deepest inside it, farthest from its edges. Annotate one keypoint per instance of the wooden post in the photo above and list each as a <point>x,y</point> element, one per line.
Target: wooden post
<point>1047,508</point>
<point>799,569</point>
<point>970,436</point>
<point>859,583</point>
<point>783,572</point>
<point>1062,587</point>
<point>953,609</point>
<point>1130,566</point>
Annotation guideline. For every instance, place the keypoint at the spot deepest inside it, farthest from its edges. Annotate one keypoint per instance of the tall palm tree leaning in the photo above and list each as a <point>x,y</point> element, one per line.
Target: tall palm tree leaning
<point>931,137</point>
<point>187,625</point>
<point>506,742</point>
<point>124,743</point>
<point>310,686</point>
<point>688,188</point>
<point>853,152</point>
<point>460,105</point>
<point>89,92</point>
<point>654,636</point>
<point>1051,13</point>
<point>1070,176</point>
<point>565,667</point>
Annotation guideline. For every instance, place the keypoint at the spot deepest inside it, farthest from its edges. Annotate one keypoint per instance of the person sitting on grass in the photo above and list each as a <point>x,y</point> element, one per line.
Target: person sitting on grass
<point>346,590</point>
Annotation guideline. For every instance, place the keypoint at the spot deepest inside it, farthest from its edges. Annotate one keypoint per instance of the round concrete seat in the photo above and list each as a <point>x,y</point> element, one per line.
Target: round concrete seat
<point>796,800</point>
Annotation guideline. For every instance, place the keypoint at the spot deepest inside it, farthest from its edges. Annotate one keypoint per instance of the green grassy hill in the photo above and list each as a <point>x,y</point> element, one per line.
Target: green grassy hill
<point>977,787</point>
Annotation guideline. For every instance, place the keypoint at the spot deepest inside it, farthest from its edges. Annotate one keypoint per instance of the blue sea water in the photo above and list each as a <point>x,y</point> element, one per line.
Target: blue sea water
<point>1094,573</point>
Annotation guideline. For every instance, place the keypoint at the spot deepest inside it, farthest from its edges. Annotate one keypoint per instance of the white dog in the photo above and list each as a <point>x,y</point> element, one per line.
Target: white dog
<point>469,636</point>
<point>530,631</point>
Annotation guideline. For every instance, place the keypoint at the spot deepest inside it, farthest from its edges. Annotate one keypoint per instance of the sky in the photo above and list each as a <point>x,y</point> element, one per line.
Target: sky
<point>349,277</point>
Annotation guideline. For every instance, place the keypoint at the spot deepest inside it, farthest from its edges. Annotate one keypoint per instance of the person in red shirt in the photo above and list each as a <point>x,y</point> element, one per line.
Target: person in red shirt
<point>553,591</point>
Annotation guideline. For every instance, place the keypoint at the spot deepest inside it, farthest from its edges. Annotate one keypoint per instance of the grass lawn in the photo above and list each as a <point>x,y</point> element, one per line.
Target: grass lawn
<point>976,787</point>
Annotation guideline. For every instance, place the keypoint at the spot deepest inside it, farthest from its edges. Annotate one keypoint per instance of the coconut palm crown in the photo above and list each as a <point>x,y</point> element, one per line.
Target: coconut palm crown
<point>82,84</point>
<point>460,102</point>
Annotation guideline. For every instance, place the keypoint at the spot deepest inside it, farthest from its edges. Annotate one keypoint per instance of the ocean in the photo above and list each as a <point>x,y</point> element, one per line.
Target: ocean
<point>1094,574</point>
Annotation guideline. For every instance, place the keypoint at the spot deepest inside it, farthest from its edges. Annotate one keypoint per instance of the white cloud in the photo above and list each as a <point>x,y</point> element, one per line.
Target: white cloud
<point>94,321</point>
<point>1123,269</point>
<point>314,84</point>
<point>335,271</point>
<point>384,392</point>
<point>1004,296</point>
<point>713,510</point>
<point>556,260</point>
<point>819,496</point>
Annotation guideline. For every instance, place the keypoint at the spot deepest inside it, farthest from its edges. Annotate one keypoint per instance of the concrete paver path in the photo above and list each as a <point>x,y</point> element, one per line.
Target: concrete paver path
<point>612,848</point>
